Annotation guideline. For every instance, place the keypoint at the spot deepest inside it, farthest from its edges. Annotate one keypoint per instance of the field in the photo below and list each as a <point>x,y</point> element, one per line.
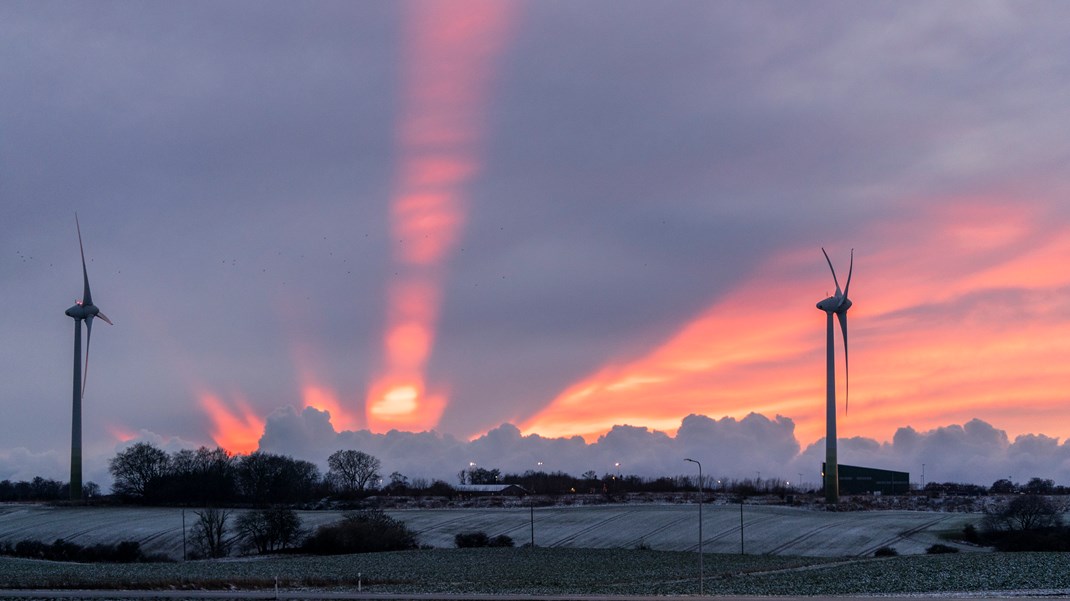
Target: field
<point>608,549</point>
<point>544,571</point>
<point>766,529</point>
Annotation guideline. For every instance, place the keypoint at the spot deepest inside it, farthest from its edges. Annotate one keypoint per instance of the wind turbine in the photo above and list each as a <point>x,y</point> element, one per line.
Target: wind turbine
<point>83,310</point>
<point>837,304</point>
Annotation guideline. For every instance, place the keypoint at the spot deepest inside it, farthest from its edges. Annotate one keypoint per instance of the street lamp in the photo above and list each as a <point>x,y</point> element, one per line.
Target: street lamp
<point>700,571</point>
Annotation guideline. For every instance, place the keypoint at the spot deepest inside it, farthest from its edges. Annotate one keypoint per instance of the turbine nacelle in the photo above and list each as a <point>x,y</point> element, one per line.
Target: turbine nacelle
<point>82,311</point>
<point>835,304</point>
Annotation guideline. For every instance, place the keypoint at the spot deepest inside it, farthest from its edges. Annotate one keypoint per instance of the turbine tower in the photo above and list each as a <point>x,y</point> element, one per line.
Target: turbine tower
<point>837,304</point>
<point>83,310</point>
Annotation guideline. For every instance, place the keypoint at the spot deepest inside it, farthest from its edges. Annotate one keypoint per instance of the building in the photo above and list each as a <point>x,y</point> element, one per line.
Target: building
<point>855,480</point>
<point>485,490</point>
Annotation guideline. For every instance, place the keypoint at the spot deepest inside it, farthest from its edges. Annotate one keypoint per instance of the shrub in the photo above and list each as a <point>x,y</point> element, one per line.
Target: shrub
<point>467,540</point>
<point>886,552</point>
<point>31,548</point>
<point>61,550</point>
<point>366,531</point>
<point>480,539</point>
<point>969,534</point>
<point>940,548</point>
<point>501,541</point>
<point>1050,539</point>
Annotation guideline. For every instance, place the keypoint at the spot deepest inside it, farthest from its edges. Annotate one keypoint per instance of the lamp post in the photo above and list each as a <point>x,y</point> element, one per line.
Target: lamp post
<point>701,590</point>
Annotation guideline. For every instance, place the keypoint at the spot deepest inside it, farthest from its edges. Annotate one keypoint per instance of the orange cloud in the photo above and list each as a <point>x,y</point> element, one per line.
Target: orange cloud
<point>404,404</point>
<point>236,429</point>
<point>314,393</point>
<point>120,433</point>
<point>325,399</point>
<point>960,312</point>
<point>448,59</point>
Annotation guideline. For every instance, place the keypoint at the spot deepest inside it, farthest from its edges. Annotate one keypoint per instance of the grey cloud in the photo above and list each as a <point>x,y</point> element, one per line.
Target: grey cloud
<point>22,464</point>
<point>976,451</point>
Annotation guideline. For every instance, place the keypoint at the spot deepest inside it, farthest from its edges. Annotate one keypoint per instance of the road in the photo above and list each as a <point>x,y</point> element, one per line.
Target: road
<point>356,596</point>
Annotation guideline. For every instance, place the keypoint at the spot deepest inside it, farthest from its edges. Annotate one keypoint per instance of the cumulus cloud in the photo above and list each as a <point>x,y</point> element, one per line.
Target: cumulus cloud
<point>975,452</point>
<point>22,464</point>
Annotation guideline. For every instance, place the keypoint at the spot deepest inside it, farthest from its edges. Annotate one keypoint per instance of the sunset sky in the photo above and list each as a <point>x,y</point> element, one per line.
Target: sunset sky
<point>563,216</point>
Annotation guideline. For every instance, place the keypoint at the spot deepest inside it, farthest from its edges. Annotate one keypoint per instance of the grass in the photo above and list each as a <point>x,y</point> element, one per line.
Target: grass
<point>567,571</point>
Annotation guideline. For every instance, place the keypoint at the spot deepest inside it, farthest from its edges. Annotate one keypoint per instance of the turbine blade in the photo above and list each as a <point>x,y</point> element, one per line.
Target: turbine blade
<point>87,296</point>
<point>88,337</point>
<point>830,267</point>
<point>850,270</point>
<point>105,318</point>
<point>846,361</point>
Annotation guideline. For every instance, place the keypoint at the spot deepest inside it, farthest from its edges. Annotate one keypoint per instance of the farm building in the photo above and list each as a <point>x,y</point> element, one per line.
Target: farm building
<point>855,480</point>
<point>505,490</point>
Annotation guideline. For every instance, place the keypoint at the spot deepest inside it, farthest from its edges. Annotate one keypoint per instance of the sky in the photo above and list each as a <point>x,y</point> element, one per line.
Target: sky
<point>504,232</point>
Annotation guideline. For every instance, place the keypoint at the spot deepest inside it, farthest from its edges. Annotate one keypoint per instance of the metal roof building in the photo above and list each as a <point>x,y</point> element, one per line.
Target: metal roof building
<point>855,480</point>
<point>491,489</point>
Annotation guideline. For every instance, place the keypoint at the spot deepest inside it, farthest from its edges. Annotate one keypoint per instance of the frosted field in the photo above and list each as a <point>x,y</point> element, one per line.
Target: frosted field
<point>767,530</point>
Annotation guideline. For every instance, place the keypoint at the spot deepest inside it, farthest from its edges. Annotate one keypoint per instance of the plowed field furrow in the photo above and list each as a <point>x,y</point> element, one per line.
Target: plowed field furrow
<point>443,524</point>
<point>582,531</point>
<point>631,544</point>
<point>732,530</point>
<point>903,535</point>
<point>802,537</point>
<point>147,540</point>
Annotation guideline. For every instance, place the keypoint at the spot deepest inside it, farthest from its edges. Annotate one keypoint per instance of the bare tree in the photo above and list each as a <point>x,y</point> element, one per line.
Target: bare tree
<point>137,469</point>
<point>209,532</point>
<point>270,478</point>
<point>352,470</point>
<point>270,529</point>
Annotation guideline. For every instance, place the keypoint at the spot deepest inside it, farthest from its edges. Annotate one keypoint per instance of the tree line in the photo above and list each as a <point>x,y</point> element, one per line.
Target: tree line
<point>42,489</point>
<point>146,474</point>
